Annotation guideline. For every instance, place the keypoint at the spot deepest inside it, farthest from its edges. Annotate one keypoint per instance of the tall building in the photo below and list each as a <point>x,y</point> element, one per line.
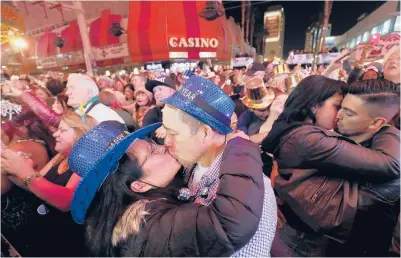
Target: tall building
<point>312,36</point>
<point>385,20</point>
<point>274,21</point>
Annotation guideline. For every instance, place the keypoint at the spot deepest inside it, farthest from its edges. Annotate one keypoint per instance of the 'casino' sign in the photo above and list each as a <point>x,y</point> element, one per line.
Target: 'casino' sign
<point>193,42</point>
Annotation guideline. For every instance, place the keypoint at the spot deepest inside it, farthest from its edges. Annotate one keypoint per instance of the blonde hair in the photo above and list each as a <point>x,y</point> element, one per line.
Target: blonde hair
<point>130,223</point>
<point>76,122</point>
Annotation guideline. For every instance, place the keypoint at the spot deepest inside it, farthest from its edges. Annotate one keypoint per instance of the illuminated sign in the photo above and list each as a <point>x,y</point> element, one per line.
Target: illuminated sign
<point>154,67</point>
<point>272,23</point>
<point>193,42</point>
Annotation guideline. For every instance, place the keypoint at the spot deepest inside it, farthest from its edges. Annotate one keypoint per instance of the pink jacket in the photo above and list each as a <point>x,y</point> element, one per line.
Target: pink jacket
<point>49,118</point>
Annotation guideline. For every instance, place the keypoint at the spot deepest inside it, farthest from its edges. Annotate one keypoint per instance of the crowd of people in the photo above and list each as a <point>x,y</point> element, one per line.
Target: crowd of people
<point>264,160</point>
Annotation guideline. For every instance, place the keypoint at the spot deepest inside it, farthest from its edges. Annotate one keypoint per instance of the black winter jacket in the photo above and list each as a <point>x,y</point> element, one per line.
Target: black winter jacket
<point>220,229</point>
<point>331,186</point>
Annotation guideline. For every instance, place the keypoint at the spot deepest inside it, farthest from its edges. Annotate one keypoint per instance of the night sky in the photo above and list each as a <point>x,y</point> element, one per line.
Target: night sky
<point>300,14</point>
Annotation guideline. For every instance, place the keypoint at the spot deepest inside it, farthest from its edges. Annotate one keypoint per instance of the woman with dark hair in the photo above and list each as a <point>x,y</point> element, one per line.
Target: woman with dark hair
<point>314,102</point>
<point>314,200</point>
<point>26,126</point>
<point>315,98</point>
<point>144,101</point>
<point>26,134</point>
<point>60,105</point>
<point>371,73</point>
<point>129,92</point>
<point>55,87</point>
<point>176,80</point>
<point>129,205</point>
<point>114,199</point>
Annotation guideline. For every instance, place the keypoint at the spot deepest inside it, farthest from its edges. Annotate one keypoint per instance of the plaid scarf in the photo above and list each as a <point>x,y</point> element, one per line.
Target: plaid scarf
<point>205,191</point>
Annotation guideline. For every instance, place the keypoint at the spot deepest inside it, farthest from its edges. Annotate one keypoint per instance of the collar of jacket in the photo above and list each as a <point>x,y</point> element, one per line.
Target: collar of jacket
<point>93,99</point>
<point>281,128</point>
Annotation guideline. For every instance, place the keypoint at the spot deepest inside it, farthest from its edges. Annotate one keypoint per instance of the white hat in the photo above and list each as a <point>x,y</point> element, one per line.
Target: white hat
<point>82,80</point>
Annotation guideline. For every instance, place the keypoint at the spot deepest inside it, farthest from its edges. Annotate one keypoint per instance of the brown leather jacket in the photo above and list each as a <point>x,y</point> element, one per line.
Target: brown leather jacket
<point>325,180</point>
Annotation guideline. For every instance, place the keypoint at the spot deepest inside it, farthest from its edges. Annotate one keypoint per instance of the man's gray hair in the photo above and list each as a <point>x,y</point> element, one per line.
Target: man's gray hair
<point>192,122</point>
<point>81,80</point>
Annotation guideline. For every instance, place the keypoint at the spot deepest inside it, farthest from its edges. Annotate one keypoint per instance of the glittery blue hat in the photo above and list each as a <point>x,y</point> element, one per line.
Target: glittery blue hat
<point>95,156</point>
<point>205,101</point>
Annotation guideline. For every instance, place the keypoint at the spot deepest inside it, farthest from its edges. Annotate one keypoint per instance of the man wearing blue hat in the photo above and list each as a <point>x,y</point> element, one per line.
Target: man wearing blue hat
<point>197,120</point>
<point>162,87</point>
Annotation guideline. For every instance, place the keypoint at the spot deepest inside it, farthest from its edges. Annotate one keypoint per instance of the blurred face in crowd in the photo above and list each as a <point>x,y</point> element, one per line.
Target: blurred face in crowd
<point>57,107</point>
<point>41,94</point>
<point>216,80</point>
<point>129,94</point>
<point>65,138</point>
<point>370,75</point>
<point>320,69</point>
<point>354,118</point>
<point>138,82</point>
<point>326,112</point>
<point>152,76</point>
<point>158,166</point>
<point>269,68</point>
<point>392,68</point>
<point>235,79</point>
<point>261,113</point>
<point>118,86</point>
<point>77,95</point>
<point>161,92</point>
<point>184,141</point>
<point>180,79</point>
<point>141,99</point>
<point>103,84</point>
<point>296,69</point>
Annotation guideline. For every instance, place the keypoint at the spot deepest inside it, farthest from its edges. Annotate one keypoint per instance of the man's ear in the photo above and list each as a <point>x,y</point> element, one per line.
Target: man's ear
<point>90,93</point>
<point>139,187</point>
<point>378,123</point>
<point>207,132</point>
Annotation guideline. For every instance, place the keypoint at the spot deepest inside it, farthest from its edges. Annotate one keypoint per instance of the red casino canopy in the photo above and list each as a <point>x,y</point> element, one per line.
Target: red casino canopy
<point>162,30</point>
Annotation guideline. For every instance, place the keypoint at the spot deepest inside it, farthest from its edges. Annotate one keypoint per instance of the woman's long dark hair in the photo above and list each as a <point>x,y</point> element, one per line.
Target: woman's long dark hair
<point>131,86</point>
<point>36,129</point>
<point>63,100</point>
<point>109,205</point>
<point>311,91</point>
